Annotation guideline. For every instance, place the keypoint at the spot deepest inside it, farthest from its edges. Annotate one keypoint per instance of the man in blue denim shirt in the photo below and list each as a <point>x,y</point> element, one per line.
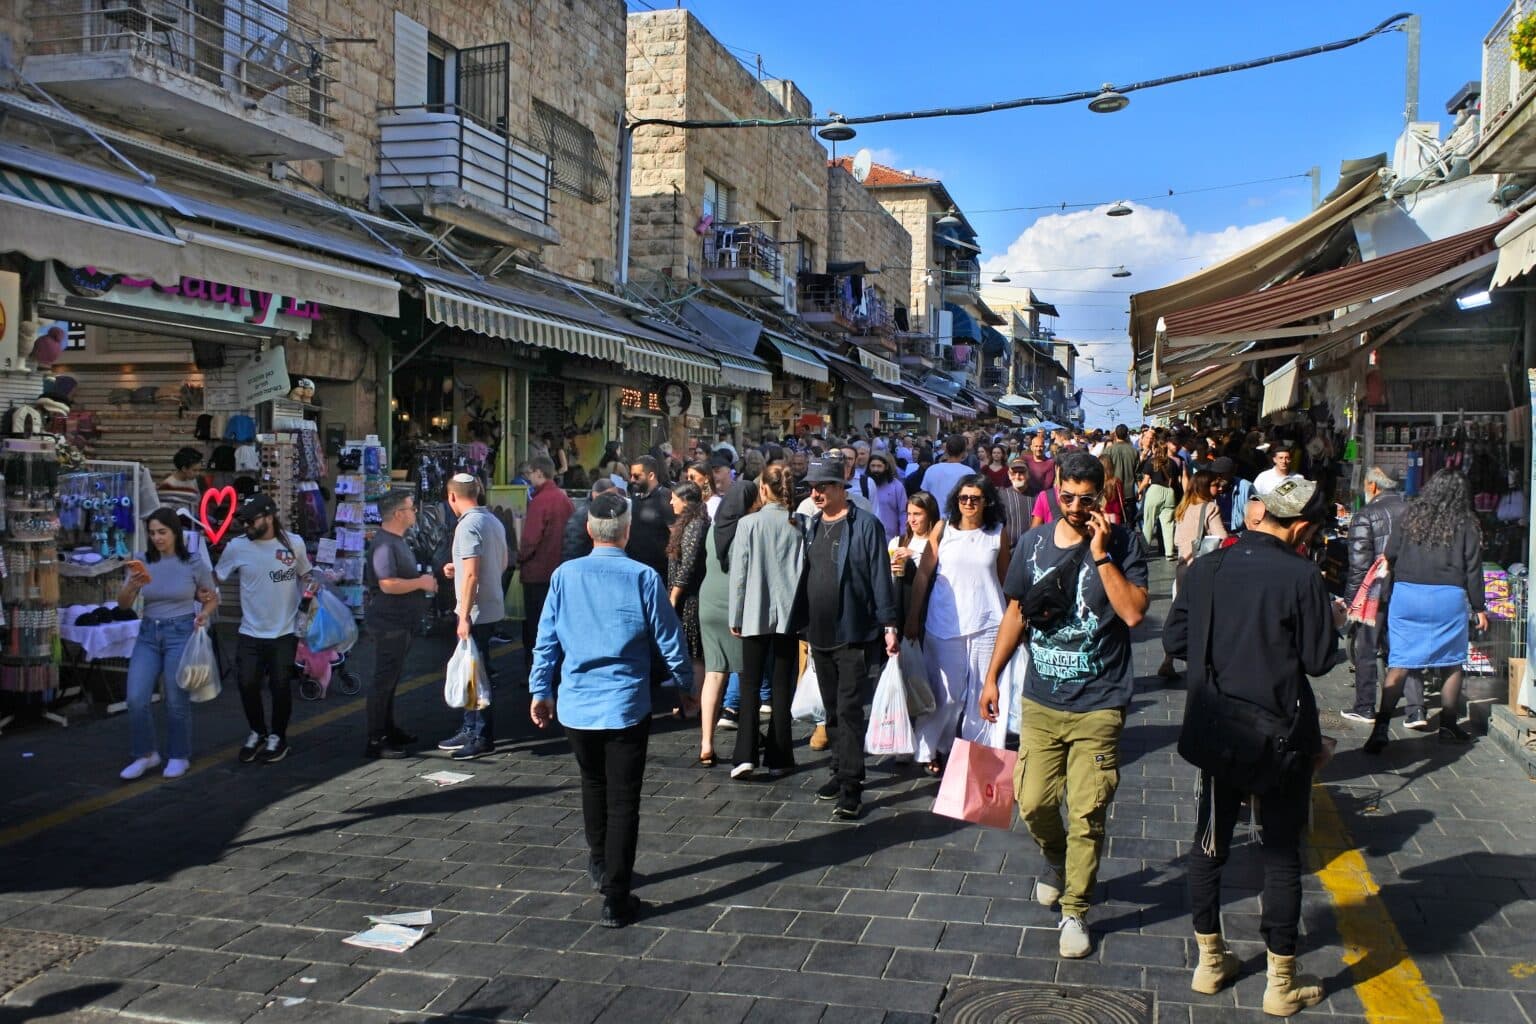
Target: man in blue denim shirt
<point>607,616</point>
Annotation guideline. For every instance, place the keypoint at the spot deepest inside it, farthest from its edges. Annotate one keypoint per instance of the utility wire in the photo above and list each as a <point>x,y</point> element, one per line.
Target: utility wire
<point>1388,25</point>
<point>1169,194</point>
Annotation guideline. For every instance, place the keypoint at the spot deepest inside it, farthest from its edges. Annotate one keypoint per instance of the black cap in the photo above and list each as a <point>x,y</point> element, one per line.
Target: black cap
<point>1223,466</point>
<point>607,505</point>
<point>255,505</point>
<point>721,460</point>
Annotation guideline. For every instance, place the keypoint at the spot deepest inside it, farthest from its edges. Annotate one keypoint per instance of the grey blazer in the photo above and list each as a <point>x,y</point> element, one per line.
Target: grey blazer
<point>767,566</point>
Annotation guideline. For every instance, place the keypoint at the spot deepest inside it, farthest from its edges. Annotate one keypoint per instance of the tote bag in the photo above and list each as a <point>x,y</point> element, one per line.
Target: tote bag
<point>978,785</point>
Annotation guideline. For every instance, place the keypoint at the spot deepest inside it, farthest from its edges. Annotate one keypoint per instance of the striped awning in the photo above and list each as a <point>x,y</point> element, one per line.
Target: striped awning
<point>658,360</point>
<point>880,369</point>
<point>745,372</point>
<point>798,359</point>
<point>49,220</point>
<point>526,324</point>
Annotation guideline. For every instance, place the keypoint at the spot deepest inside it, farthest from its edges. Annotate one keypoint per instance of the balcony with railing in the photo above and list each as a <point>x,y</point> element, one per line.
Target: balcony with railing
<point>243,77</point>
<point>1508,141</point>
<point>744,260</point>
<point>442,163</point>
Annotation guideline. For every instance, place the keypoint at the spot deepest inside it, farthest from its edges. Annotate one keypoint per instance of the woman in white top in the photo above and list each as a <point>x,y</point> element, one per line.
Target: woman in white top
<point>965,608</point>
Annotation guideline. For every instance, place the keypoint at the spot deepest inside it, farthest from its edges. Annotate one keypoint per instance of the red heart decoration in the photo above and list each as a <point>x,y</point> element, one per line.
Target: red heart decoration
<point>220,495</point>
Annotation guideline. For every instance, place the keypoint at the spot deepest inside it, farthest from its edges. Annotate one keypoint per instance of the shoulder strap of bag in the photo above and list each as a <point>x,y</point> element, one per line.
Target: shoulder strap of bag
<point>1054,502</point>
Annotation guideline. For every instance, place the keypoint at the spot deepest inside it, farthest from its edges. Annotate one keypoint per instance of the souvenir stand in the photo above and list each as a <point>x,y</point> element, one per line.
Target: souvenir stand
<point>29,670</point>
<point>362,478</point>
<point>432,466</point>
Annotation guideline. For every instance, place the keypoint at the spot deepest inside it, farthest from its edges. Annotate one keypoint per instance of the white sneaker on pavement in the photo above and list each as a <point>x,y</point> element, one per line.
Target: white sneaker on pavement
<point>1048,887</point>
<point>1074,943</point>
<point>176,767</point>
<point>139,767</point>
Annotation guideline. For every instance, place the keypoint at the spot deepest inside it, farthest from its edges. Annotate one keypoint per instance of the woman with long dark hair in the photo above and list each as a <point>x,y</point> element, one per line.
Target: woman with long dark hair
<point>1435,576</point>
<point>1155,497</point>
<point>170,581</point>
<point>996,469</point>
<point>767,612</point>
<point>685,571</point>
<point>965,608</point>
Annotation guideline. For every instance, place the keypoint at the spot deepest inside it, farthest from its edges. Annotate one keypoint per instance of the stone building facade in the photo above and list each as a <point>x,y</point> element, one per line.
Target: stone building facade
<point>774,177</point>
<point>859,228</point>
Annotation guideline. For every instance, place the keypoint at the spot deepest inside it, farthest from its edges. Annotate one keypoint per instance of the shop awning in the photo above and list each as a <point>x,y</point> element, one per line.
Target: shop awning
<point>46,219</point>
<point>1206,385</point>
<point>936,406</point>
<point>799,360</point>
<point>498,318</point>
<point>1280,388</point>
<point>1517,248</point>
<point>744,373</point>
<point>853,374</point>
<point>993,343</point>
<point>963,326</point>
<point>1018,402</point>
<point>248,263</point>
<point>1246,271</point>
<point>732,340</point>
<point>1004,414</point>
<point>880,369</point>
<point>668,362</point>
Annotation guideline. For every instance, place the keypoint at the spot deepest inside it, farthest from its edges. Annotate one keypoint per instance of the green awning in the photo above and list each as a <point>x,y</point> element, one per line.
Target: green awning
<point>47,219</point>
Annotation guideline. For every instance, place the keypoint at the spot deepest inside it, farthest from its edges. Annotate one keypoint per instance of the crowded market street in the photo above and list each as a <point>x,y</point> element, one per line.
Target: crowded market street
<point>225,897</point>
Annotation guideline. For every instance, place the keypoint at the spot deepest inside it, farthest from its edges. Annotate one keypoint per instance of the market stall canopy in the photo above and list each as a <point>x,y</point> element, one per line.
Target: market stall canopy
<point>963,325</point>
<point>993,343</point>
<point>1517,248</point>
<point>936,405</point>
<point>1280,388</point>
<point>657,349</point>
<point>853,374</point>
<point>1208,384</point>
<point>494,310</point>
<point>798,359</point>
<point>880,369</point>
<point>1247,271</point>
<point>46,219</point>
<point>1018,402</point>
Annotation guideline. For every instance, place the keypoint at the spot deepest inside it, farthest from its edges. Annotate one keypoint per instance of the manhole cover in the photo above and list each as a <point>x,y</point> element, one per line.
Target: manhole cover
<point>24,955</point>
<point>1005,1002</point>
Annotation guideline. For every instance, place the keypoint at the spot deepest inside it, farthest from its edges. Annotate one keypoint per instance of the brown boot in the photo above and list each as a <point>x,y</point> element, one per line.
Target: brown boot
<point>1218,965</point>
<point>1288,993</point>
<point>819,739</point>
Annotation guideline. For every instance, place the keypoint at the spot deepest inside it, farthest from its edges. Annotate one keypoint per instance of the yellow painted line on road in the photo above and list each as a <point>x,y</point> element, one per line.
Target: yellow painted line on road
<point>90,805</point>
<point>1387,980</point>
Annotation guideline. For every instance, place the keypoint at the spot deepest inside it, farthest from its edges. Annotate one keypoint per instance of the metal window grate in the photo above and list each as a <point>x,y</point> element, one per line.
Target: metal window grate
<point>579,167</point>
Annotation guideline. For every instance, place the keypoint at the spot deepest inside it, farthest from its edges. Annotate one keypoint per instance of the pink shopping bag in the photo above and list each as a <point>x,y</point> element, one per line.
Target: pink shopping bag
<point>978,785</point>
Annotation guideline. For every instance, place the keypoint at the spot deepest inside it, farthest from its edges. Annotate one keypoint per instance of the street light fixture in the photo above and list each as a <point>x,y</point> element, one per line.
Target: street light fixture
<point>1002,278</point>
<point>1108,101</point>
<point>1120,209</point>
<point>1121,272</point>
<point>949,220</point>
<point>838,131</point>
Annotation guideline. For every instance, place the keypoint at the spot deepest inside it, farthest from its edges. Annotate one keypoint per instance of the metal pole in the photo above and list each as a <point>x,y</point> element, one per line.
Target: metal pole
<point>1411,97</point>
<point>1317,186</point>
<point>626,159</point>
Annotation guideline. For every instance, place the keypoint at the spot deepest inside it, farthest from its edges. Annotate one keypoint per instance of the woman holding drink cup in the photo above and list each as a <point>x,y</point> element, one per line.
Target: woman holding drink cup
<point>179,596</point>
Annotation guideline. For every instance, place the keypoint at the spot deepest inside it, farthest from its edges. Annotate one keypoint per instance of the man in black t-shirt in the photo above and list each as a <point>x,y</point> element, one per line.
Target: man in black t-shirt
<point>650,515</point>
<point>1077,688</point>
<point>394,581</point>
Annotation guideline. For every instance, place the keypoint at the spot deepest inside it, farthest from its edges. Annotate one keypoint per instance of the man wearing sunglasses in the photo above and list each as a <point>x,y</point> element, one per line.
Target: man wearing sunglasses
<point>1077,688</point>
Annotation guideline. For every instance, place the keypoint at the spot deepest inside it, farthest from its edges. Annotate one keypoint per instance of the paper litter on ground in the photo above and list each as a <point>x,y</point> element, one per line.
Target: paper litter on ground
<point>447,778</point>
<point>391,938</point>
<point>413,918</point>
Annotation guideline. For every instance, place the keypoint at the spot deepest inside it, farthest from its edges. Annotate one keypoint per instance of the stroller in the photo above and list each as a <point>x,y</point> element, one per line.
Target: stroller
<point>319,668</point>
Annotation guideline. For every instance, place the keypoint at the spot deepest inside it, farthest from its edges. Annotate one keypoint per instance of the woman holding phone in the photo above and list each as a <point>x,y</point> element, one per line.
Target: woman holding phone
<point>179,595</point>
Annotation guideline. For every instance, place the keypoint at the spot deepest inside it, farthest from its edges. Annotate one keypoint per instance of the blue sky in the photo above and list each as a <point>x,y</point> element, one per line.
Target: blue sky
<point>860,57</point>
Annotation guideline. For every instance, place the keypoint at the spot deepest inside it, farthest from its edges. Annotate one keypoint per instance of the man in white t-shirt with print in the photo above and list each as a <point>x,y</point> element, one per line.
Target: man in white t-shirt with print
<point>271,564</point>
<point>1284,459</point>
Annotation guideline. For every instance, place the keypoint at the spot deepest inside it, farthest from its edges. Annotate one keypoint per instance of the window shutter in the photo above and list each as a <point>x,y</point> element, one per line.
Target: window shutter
<point>410,62</point>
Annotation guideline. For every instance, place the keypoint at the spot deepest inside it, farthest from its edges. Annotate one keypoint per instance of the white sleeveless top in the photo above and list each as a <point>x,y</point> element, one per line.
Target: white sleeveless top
<point>966,597</point>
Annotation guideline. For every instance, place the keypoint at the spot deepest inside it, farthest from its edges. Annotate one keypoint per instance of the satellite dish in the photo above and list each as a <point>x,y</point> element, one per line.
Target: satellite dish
<point>861,161</point>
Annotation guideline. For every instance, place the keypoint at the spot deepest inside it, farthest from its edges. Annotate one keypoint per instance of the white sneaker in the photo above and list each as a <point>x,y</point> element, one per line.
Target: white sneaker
<point>1048,888</point>
<point>176,767</point>
<point>1074,943</point>
<point>743,770</point>
<point>139,767</point>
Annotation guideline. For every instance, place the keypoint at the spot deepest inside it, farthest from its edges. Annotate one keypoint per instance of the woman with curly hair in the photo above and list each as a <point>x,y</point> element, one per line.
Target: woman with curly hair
<point>685,571</point>
<point>965,608</point>
<point>1435,568</point>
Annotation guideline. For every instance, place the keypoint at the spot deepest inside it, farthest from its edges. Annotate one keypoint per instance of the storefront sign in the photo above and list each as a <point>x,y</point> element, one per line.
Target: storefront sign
<point>193,295</point>
<point>264,377</point>
<point>220,496</point>
<point>643,399</point>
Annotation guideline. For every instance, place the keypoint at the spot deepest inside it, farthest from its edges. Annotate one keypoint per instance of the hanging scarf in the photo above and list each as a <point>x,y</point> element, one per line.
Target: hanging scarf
<point>1367,602</point>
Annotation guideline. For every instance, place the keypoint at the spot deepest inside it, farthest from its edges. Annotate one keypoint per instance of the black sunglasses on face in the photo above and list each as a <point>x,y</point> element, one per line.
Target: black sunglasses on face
<point>969,499</point>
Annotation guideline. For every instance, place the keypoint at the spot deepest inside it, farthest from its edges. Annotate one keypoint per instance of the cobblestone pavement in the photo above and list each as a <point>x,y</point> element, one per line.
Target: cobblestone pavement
<point>224,897</point>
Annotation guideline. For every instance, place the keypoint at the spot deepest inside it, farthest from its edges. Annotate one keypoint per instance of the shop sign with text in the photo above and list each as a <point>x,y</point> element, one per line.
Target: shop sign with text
<point>194,296</point>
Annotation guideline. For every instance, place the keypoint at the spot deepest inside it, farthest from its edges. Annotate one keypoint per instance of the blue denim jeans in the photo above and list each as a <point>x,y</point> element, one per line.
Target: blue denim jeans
<point>481,724</point>
<point>156,659</point>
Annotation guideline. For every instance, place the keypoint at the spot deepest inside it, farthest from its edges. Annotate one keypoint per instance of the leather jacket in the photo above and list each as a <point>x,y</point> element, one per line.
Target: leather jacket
<point>1369,530</point>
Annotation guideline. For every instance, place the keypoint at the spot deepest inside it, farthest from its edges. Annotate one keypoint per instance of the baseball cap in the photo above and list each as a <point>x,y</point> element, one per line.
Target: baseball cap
<point>1018,462</point>
<point>256,505</point>
<point>608,505</point>
<point>1295,499</point>
<point>1223,466</point>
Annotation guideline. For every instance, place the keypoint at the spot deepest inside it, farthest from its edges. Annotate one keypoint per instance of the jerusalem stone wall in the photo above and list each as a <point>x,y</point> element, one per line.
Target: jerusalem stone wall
<point>859,228</point>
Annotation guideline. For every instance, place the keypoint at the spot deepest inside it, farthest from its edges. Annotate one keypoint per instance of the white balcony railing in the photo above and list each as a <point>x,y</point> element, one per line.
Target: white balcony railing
<point>422,149</point>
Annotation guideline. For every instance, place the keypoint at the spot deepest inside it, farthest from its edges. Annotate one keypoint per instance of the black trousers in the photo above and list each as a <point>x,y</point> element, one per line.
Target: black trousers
<point>389,650</point>
<point>534,596</point>
<point>1370,645</point>
<point>1282,819</point>
<point>612,763</point>
<point>271,660</point>
<point>784,651</point>
<point>843,674</point>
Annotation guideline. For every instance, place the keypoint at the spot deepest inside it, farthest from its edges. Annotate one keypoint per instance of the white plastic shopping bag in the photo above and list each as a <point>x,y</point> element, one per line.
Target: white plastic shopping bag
<point>465,686</point>
<point>890,727</point>
<point>914,673</point>
<point>199,672</point>
<point>807,703</point>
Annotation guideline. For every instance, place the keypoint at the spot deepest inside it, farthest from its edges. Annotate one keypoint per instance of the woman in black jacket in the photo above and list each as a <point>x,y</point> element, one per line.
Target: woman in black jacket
<point>686,565</point>
<point>1436,579</point>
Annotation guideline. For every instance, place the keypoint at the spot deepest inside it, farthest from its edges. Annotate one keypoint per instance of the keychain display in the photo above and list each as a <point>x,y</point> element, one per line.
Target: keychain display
<point>96,513</point>
<point>30,589</point>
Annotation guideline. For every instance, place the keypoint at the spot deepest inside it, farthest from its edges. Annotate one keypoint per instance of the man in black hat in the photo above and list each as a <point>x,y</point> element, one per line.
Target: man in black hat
<point>271,564</point>
<point>851,602</point>
<point>1253,622</point>
<point>604,616</point>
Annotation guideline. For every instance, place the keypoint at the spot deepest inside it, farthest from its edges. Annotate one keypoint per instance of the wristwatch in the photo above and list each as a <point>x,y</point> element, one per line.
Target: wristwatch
<point>1102,561</point>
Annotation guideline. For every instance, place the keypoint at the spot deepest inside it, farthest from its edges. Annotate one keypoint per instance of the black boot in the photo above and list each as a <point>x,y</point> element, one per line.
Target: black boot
<point>1452,732</point>
<point>1381,732</point>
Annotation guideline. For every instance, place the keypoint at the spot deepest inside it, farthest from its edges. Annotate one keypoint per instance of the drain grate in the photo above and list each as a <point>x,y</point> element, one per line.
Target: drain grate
<point>969,1001</point>
<point>24,955</point>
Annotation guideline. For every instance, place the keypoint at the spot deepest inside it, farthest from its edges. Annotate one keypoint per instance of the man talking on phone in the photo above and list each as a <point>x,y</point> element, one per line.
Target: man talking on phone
<point>1081,581</point>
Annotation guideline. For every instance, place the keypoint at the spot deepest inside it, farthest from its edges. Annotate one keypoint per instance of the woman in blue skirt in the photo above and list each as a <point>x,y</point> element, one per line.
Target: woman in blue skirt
<point>1436,581</point>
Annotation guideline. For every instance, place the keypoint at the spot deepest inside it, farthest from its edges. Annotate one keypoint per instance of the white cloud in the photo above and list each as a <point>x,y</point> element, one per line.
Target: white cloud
<point>1155,245</point>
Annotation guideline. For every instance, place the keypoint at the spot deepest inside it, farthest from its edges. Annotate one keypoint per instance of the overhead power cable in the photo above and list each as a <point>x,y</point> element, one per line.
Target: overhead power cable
<point>1082,96</point>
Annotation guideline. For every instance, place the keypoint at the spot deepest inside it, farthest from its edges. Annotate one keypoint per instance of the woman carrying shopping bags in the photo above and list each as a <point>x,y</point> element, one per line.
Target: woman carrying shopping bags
<point>965,609</point>
<point>767,612</point>
<point>179,596</point>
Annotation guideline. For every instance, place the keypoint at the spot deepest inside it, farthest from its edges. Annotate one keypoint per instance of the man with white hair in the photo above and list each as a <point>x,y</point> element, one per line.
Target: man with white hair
<point>1369,530</point>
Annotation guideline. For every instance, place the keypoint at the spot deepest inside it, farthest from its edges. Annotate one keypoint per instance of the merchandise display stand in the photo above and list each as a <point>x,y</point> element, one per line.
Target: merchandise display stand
<point>362,480</point>
<point>29,653</point>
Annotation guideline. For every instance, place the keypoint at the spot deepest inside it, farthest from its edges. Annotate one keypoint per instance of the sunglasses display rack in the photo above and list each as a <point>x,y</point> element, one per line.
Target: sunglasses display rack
<point>362,478</point>
<point>29,594</point>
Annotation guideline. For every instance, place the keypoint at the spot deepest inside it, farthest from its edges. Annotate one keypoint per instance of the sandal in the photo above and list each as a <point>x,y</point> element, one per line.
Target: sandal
<point>707,760</point>
<point>934,768</point>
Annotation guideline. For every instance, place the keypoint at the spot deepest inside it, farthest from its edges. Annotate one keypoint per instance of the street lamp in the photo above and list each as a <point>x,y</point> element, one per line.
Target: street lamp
<point>949,220</point>
<point>1002,278</point>
<point>1121,272</point>
<point>1120,209</point>
<point>1108,101</point>
<point>839,130</point>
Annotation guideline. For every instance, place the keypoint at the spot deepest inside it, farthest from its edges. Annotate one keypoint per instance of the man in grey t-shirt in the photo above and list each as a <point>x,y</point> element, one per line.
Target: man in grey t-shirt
<point>479,559</point>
